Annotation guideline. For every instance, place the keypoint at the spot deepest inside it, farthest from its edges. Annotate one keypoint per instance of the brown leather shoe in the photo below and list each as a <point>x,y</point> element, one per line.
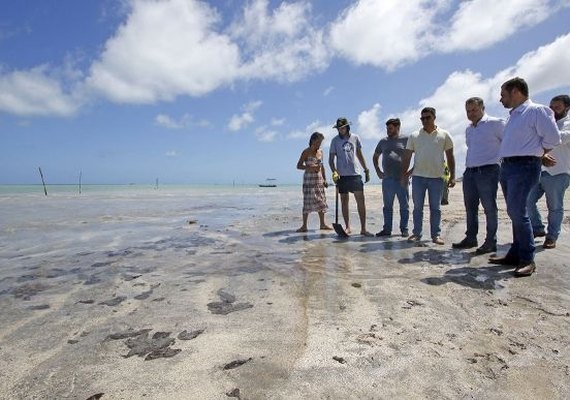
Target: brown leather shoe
<point>549,243</point>
<point>506,260</point>
<point>525,269</point>
<point>437,240</point>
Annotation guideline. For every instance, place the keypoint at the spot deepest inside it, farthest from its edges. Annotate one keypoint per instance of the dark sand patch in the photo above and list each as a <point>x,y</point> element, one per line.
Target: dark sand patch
<point>114,301</point>
<point>227,305</point>
<point>236,363</point>
<point>185,335</point>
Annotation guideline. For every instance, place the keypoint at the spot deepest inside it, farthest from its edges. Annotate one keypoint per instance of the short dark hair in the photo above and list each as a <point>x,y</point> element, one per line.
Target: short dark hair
<point>516,83</point>
<point>315,136</point>
<point>564,98</point>
<point>430,110</point>
<point>393,121</point>
<point>475,100</point>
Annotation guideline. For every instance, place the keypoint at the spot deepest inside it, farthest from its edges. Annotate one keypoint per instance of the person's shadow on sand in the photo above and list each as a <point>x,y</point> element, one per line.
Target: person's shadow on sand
<point>486,278</point>
<point>437,256</point>
<point>292,236</point>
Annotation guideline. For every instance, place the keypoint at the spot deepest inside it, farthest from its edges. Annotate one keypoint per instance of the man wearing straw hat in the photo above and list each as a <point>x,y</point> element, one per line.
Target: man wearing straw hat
<point>346,148</point>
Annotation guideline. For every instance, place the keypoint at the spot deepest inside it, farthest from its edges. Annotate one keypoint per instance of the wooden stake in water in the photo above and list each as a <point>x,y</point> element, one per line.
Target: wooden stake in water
<point>80,173</point>
<point>43,182</point>
<point>156,185</point>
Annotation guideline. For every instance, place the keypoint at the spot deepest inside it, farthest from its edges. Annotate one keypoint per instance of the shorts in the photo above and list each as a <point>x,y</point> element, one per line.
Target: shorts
<point>350,184</point>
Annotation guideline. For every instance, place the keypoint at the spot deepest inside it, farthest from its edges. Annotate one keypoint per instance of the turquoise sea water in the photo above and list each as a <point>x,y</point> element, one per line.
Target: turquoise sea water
<point>127,188</point>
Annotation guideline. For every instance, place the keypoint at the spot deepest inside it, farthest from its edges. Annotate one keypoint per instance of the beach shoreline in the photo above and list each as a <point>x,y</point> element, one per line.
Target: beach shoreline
<point>211,294</point>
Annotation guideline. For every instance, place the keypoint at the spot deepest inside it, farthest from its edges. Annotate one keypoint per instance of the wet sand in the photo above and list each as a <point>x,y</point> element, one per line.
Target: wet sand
<point>169,296</point>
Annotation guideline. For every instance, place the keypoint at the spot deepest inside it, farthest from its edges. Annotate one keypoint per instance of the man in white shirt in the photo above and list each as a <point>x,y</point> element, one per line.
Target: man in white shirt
<point>554,179</point>
<point>481,177</point>
<point>530,132</point>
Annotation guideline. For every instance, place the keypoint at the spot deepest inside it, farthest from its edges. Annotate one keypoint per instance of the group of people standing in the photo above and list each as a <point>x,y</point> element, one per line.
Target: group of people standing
<point>528,155</point>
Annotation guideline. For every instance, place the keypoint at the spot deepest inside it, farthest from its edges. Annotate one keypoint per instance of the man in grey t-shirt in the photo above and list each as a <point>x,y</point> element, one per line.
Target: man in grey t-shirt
<point>346,148</point>
<point>391,148</point>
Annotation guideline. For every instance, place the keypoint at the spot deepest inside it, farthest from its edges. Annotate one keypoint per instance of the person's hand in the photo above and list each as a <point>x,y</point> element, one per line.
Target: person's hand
<point>451,182</point>
<point>326,184</point>
<point>366,175</point>
<point>335,177</point>
<point>548,160</point>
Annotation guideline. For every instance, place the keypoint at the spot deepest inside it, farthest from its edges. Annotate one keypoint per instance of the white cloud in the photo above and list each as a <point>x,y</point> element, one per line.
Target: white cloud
<point>277,121</point>
<point>36,92</point>
<point>543,69</point>
<point>369,123</point>
<point>171,153</point>
<point>165,49</point>
<point>385,33</point>
<point>281,45</point>
<point>240,121</point>
<point>168,122</point>
<point>389,34</point>
<point>184,122</point>
<point>265,135</point>
<point>315,126</point>
<point>171,48</point>
<point>478,24</point>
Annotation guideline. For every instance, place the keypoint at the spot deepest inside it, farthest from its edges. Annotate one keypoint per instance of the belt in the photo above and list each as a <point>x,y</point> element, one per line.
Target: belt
<point>481,167</point>
<point>516,159</point>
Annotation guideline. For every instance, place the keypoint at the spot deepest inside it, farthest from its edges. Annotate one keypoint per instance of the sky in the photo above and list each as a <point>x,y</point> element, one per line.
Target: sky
<point>229,91</point>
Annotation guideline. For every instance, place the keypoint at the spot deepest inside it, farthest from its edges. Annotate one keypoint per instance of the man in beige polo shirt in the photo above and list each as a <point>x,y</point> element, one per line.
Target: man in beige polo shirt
<point>428,145</point>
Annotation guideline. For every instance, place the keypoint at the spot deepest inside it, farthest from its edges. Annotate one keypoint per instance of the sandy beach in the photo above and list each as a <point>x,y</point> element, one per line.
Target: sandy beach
<point>209,293</point>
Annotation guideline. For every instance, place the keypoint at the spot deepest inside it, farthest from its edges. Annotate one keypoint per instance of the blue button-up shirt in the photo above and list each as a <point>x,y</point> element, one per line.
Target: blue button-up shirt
<point>530,129</point>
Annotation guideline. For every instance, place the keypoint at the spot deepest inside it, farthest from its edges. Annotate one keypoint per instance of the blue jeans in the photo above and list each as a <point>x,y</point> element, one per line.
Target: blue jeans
<point>480,185</point>
<point>392,187</point>
<point>553,186</point>
<point>434,187</point>
<point>517,179</point>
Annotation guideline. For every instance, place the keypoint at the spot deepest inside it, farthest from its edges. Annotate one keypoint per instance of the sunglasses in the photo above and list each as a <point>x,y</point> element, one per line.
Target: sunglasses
<point>426,118</point>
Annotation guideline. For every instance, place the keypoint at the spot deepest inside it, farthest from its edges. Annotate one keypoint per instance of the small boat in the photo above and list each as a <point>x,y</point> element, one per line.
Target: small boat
<point>268,183</point>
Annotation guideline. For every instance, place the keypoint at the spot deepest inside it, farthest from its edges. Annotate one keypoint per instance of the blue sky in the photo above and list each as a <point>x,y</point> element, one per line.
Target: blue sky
<point>186,91</point>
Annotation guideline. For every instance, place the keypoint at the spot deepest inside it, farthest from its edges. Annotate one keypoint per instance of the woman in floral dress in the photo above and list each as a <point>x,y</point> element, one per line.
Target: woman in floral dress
<point>314,181</point>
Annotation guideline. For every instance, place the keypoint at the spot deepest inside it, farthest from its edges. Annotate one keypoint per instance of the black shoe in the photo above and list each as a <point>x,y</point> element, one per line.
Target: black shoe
<point>383,233</point>
<point>465,244</point>
<point>539,234</point>
<point>525,269</point>
<point>486,248</point>
<point>405,233</point>
<point>549,243</point>
<point>506,260</point>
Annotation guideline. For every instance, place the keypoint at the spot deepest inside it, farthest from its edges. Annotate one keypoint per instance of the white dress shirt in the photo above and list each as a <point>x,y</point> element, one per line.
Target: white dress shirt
<point>484,141</point>
<point>561,152</point>
<point>530,129</point>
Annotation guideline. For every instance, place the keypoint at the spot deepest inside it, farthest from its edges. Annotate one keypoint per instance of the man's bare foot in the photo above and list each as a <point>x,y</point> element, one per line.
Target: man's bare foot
<point>326,228</point>
<point>302,229</point>
<point>366,233</point>
<point>347,230</point>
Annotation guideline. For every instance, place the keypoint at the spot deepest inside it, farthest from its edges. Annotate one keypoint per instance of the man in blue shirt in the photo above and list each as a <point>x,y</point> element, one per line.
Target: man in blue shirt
<point>530,132</point>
